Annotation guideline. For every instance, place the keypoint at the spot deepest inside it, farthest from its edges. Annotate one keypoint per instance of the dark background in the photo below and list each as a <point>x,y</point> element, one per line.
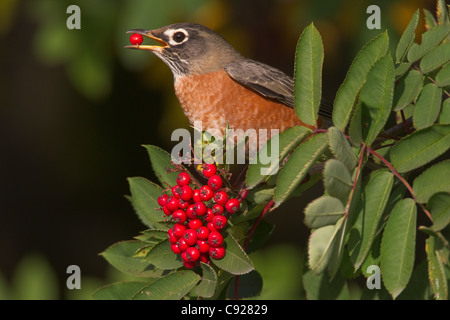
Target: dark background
<point>75,108</point>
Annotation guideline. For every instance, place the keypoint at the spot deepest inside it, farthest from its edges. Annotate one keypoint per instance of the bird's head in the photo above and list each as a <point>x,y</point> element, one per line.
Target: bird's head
<point>188,48</point>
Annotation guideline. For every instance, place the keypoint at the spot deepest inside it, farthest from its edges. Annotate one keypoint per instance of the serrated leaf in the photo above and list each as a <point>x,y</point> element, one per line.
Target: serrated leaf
<point>436,272</point>
<point>323,211</point>
<point>439,206</point>
<point>407,38</point>
<point>444,117</point>
<point>308,75</point>
<point>432,181</point>
<point>341,149</point>
<point>119,290</point>
<point>321,244</point>
<point>121,256</point>
<point>161,165</point>
<point>442,12</point>
<point>418,286</point>
<point>207,286</point>
<point>287,140</point>
<point>401,69</point>
<point>430,22</point>
<point>144,198</point>
<point>443,76</point>
<point>337,179</point>
<point>171,287</point>
<point>427,107</point>
<point>437,57</point>
<point>298,165</point>
<point>152,236</point>
<point>162,256</point>
<point>398,247</point>
<point>374,197</point>
<point>355,79</point>
<point>319,287</point>
<point>420,147</point>
<point>235,261</point>
<point>376,96</point>
<point>430,39</point>
<point>355,130</point>
<point>408,89</point>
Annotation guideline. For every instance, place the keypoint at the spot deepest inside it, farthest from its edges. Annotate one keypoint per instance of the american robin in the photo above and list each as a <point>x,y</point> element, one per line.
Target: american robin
<point>216,85</point>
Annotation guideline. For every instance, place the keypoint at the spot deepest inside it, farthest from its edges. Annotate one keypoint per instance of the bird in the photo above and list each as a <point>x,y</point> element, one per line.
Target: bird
<point>217,86</point>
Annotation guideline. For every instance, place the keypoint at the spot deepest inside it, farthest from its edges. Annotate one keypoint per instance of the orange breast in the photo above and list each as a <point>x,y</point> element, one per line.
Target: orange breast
<point>216,99</point>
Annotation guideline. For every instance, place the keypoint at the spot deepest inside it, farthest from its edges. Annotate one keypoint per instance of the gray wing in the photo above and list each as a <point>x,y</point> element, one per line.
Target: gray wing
<point>269,82</point>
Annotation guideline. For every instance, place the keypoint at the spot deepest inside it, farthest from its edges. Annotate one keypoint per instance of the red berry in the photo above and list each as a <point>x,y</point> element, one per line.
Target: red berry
<point>219,222</point>
<point>186,193</point>
<point>183,179</point>
<point>177,191</point>
<point>178,230</point>
<point>203,246</point>
<point>204,257</point>
<point>209,215</point>
<point>183,204</point>
<point>172,204</point>
<point>217,252</point>
<point>195,224</point>
<point>200,208</point>
<point>215,182</point>
<point>210,226</point>
<point>188,264</point>
<point>192,254</point>
<point>217,209</point>
<point>162,199</point>
<point>203,233</point>
<point>196,195</point>
<point>175,248</point>
<point>206,193</point>
<point>221,198</point>
<point>136,39</point>
<point>215,239</point>
<point>209,170</point>
<point>171,236</point>
<point>166,211</point>
<point>190,235</point>
<point>232,205</point>
<point>182,244</point>
<point>179,216</point>
<point>190,212</point>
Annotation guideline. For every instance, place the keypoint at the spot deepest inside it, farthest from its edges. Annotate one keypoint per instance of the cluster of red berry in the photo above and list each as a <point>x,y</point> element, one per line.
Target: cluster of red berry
<point>199,215</point>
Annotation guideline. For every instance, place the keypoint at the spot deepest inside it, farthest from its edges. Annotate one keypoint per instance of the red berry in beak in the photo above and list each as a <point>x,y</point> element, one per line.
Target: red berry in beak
<point>136,39</point>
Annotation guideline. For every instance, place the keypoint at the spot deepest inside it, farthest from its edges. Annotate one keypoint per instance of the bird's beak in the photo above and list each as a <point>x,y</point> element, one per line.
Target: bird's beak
<point>148,34</point>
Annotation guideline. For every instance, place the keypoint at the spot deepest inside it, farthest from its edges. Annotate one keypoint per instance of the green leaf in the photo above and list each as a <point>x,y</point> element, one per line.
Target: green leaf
<point>408,89</point>
<point>407,38</point>
<point>436,272</point>
<point>262,170</point>
<point>430,22</point>
<point>444,117</point>
<point>341,149</point>
<point>427,107</point>
<point>323,211</point>
<point>443,76</point>
<point>437,57</point>
<point>338,181</point>
<point>260,236</point>
<point>298,165</point>
<point>152,236</point>
<point>356,77</point>
<point>119,290</point>
<point>374,197</point>
<point>377,95</point>
<point>207,286</point>
<point>401,69</point>
<point>322,242</point>
<point>162,256</point>
<point>171,287</point>
<point>398,247</point>
<point>442,13</point>
<point>418,286</point>
<point>121,256</point>
<point>308,75</point>
<point>235,261</point>
<point>420,147</point>
<point>439,206</point>
<point>161,163</point>
<point>431,181</point>
<point>430,39</point>
<point>355,129</point>
<point>319,287</point>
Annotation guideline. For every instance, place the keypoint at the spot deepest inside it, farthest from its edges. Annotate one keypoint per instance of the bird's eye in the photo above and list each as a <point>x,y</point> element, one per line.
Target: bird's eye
<point>179,37</point>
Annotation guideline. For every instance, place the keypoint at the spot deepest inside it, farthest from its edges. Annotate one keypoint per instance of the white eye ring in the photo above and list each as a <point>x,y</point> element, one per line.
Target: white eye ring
<point>172,33</point>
